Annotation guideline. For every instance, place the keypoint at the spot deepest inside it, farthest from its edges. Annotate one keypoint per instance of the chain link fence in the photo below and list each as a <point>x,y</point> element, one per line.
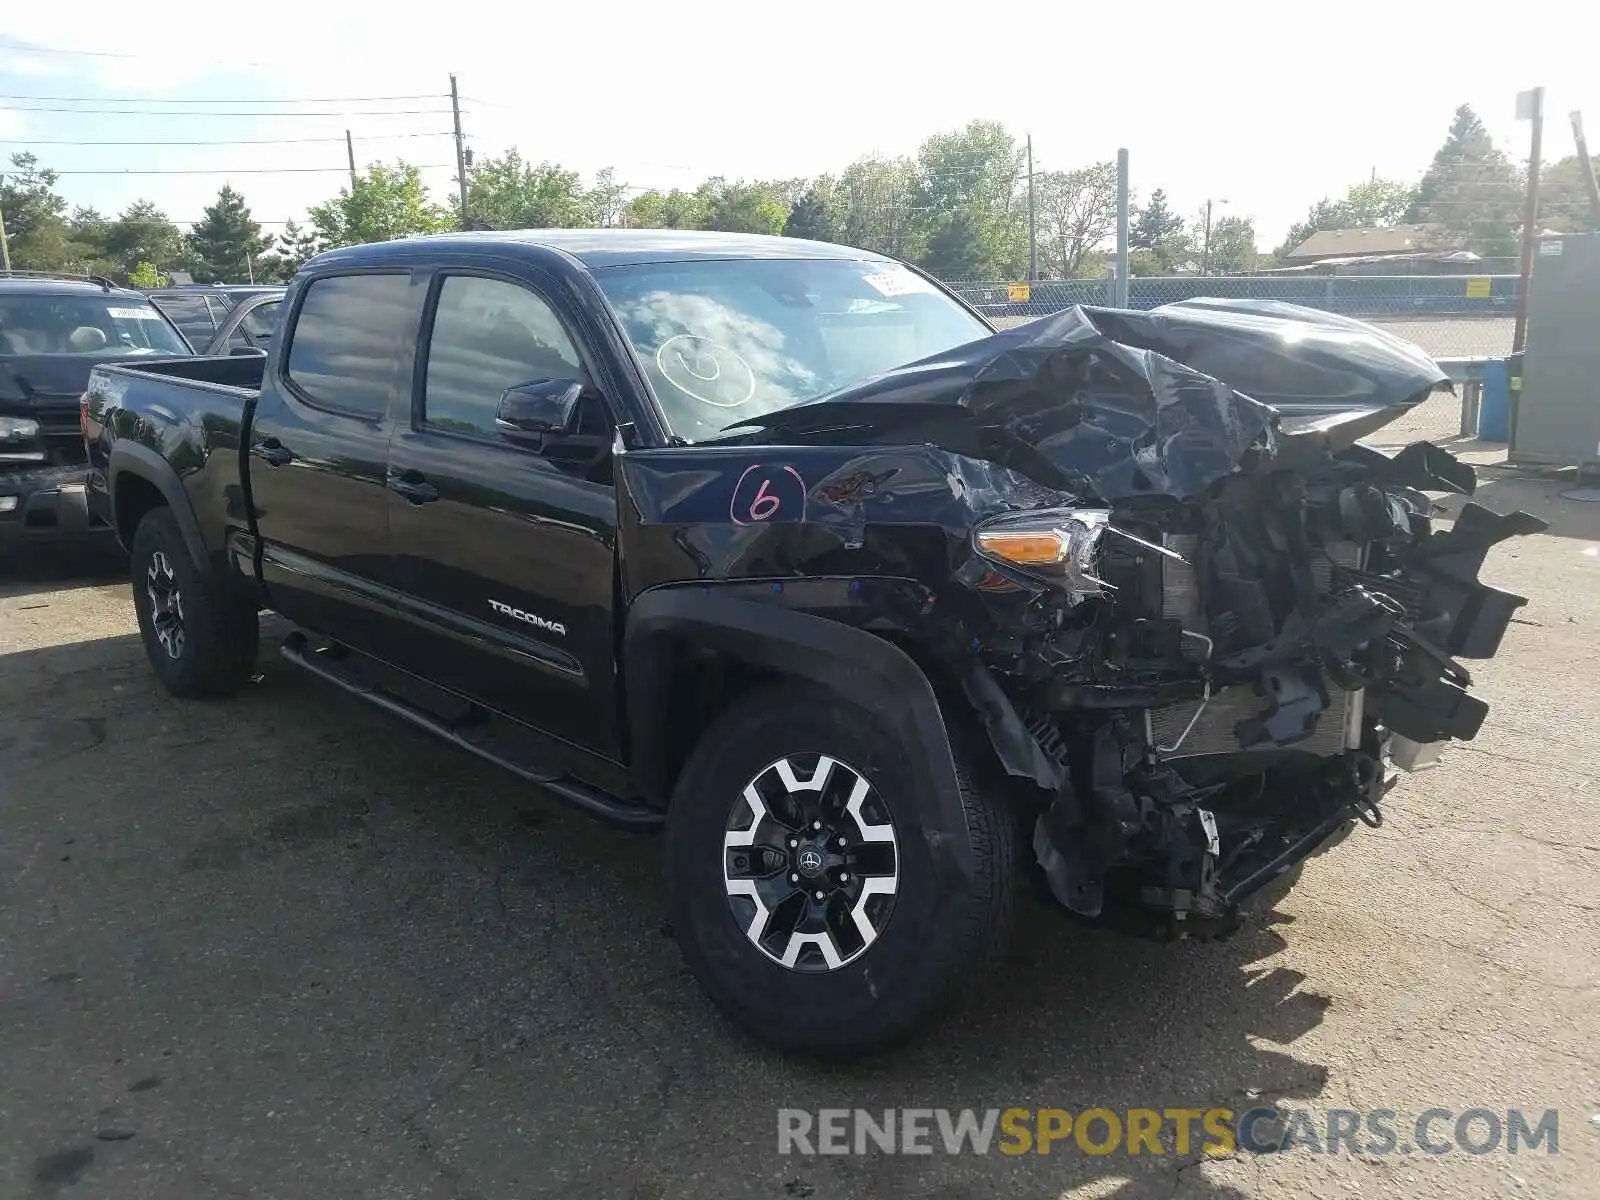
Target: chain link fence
<point>1448,315</point>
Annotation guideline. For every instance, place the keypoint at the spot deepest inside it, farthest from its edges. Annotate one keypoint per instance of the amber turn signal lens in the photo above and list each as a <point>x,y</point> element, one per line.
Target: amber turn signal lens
<point>1031,549</point>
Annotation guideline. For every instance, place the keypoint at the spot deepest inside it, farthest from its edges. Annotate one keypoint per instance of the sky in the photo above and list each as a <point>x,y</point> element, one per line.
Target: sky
<point>1235,101</point>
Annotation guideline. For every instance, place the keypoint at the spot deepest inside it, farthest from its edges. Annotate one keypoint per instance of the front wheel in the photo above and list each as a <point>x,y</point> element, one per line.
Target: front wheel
<point>804,888</point>
<point>200,638</point>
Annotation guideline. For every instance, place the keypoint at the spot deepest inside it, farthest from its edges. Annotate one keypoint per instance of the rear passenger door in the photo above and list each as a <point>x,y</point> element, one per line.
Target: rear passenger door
<point>505,554</point>
<point>318,448</point>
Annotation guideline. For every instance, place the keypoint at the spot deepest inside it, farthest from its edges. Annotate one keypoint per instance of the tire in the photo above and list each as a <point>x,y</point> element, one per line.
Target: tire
<point>926,944</point>
<point>210,649</point>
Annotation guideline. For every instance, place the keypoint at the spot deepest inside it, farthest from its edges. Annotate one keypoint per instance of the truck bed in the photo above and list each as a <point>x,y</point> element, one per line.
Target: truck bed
<point>172,430</point>
<point>241,372</point>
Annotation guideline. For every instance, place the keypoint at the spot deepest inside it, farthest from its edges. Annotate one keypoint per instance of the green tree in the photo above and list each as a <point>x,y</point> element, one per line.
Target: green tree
<point>812,215</point>
<point>296,247</point>
<point>1159,241</point>
<point>509,193</point>
<point>741,207</point>
<point>1076,213</point>
<point>977,171</point>
<point>227,241</point>
<point>664,210</point>
<point>142,233</point>
<point>607,199</point>
<point>1564,198</point>
<point>877,197</point>
<point>37,230</point>
<point>1371,204</point>
<point>955,248</point>
<point>385,203</point>
<point>1154,225</point>
<point>1471,191</point>
<point>1233,246</point>
<point>145,275</point>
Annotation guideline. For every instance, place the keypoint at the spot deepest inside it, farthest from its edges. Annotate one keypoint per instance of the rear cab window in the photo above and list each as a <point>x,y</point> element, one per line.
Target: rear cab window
<point>351,347</point>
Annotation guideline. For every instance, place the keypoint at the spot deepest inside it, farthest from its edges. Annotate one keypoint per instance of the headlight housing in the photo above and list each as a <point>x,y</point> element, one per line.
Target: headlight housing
<point>1060,546</point>
<point>15,430</point>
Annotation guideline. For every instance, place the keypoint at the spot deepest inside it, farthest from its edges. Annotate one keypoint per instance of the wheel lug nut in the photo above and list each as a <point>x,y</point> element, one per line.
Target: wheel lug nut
<point>819,895</point>
<point>841,841</point>
<point>816,824</point>
<point>794,879</point>
<point>844,876</point>
<point>793,842</point>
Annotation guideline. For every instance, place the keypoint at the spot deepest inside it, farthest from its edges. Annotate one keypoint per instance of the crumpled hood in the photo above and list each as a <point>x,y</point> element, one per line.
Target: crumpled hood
<point>1116,404</point>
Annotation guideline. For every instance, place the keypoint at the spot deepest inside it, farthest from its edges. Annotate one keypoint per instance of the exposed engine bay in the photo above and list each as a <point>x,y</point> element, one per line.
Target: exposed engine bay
<point>1207,633</point>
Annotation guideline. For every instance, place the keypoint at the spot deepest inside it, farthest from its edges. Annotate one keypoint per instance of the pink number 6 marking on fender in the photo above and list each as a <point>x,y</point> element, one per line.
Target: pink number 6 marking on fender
<point>764,505</point>
<point>769,498</point>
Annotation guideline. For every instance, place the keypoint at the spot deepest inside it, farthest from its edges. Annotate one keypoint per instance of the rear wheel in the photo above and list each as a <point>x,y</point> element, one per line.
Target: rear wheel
<point>200,638</point>
<point>803,887</point>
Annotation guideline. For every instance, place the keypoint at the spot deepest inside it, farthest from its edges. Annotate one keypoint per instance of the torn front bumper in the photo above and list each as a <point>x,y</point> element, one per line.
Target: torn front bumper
<point>1240,699</point>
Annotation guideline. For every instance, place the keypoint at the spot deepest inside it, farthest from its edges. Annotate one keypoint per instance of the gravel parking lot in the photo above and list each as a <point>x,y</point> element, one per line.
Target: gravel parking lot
<point>282,946</point>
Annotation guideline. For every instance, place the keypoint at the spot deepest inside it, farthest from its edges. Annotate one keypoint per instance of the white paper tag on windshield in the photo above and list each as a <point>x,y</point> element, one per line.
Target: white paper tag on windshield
<point>896,281</point>
<point>133,314</point>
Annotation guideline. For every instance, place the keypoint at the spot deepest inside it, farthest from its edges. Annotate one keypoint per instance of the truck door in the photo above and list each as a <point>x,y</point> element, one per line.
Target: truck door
<point>505,550</point>
<point>317,448</point>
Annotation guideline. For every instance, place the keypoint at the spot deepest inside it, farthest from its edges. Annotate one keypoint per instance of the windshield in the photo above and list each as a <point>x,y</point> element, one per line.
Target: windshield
<point>725,340</point>
<point>112,326</point>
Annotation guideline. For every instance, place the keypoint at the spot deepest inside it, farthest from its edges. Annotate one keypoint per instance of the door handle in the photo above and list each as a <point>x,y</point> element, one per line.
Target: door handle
<point>273,452</point>
<point>413,487</point>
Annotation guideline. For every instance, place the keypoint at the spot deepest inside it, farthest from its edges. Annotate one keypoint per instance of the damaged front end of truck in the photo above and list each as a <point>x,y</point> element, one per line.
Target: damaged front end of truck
<point>1202,625</point>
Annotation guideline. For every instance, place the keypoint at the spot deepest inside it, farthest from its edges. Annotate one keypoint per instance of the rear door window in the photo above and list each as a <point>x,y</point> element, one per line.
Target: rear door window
<point>352,342</point>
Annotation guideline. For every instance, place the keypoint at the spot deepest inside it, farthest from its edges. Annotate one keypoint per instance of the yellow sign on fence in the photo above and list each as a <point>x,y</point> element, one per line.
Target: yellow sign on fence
<point>1021,293</point>
<point>1478,287</point>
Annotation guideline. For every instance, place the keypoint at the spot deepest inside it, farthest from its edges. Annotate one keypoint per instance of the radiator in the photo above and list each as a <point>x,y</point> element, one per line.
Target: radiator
<point>1196,727</point>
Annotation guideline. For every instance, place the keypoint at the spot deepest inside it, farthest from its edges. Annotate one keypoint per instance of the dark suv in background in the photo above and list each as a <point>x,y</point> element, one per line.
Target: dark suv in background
<point>200,311</point>
<point>53,329</point>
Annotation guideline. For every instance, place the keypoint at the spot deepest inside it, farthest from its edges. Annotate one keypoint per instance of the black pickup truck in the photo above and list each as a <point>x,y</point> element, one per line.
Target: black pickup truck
<point>778,546</point>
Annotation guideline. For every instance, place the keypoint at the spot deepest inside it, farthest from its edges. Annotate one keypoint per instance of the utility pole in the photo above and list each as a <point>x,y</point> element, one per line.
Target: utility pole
<point>1530,107</point>
<point>1122,228</point>
<point>1033,237</point>
<point>350,149</point>
<point>461,152</point>
<point>5,246</point>
<point>1205,245</point>
<point>1585,165</point>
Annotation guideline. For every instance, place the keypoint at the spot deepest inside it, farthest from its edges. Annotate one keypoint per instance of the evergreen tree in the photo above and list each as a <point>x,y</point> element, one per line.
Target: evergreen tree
<point>811,217</point>
<point>227,242</point>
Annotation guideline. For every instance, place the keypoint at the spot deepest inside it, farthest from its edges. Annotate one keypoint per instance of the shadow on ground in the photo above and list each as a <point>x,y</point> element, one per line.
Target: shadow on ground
<point>283,938</point>
<point>36,567</point>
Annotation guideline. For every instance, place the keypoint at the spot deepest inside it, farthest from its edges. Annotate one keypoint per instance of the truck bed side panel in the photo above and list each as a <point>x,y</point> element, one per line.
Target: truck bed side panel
<point>178,425</point>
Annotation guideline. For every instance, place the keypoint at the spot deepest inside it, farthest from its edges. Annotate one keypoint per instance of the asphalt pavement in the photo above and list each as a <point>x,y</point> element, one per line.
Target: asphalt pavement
<point>282,946</point>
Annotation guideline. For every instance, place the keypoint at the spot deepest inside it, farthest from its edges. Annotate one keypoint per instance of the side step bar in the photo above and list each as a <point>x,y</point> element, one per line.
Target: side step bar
<point>298,650</point>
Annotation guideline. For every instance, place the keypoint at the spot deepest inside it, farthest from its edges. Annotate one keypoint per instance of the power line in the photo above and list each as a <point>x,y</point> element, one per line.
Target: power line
<point>245,170</point>
<point>145,112</point>
<point>231,99</point>
<point>8,44</point>
<point>376,137</point>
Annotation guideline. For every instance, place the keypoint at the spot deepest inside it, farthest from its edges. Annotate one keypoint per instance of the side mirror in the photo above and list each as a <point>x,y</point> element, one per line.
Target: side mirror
<point>531,412</point>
